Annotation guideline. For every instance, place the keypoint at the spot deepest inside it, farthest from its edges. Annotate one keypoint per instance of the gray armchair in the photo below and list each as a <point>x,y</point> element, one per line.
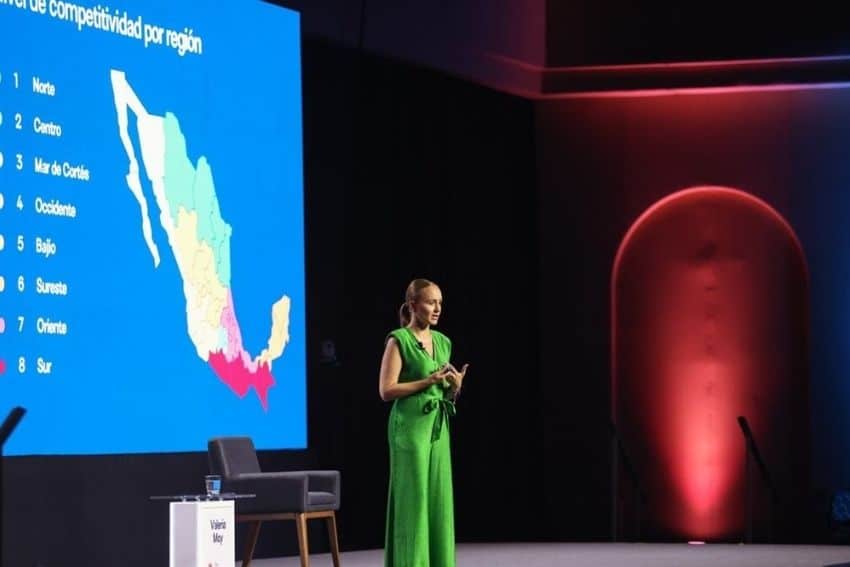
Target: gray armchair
<point>296,495</point>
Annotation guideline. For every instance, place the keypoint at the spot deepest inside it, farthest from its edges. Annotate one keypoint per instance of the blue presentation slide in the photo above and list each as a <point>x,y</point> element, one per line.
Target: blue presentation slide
<point>151,225</point>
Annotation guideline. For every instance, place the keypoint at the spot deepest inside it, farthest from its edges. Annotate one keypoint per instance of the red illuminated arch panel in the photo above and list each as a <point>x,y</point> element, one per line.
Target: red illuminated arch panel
<point>709,322</point>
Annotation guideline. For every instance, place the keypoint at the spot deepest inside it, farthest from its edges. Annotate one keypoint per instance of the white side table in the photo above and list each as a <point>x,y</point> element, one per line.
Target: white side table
<point>202,530</point>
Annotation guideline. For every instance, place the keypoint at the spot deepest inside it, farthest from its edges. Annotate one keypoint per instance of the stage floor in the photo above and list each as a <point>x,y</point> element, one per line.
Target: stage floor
<point>608,555</point>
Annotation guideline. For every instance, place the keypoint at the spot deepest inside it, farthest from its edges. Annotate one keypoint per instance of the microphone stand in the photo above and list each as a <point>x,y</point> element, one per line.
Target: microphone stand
<point>9,425</point>
<point>751,450</point>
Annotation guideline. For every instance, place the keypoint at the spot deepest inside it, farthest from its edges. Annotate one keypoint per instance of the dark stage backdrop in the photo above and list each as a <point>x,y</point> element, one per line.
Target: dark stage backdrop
<point>602,163</point>
<point>592,32</point>
<point>445,189</point>
<point>516,209</point>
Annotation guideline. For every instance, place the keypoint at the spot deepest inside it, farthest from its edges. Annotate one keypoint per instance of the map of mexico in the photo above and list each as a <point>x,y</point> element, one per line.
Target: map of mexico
<point>153,276</point>
<point>199,239</point>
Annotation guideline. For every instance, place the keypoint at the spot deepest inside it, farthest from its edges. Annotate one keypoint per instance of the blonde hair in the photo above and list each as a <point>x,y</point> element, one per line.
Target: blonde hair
<point>411,294</point>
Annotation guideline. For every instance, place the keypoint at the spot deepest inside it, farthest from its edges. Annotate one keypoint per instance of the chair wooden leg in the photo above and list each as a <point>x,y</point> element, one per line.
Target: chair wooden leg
<point>251,542</point>
<point>333,539</point>
<point>303,549</point>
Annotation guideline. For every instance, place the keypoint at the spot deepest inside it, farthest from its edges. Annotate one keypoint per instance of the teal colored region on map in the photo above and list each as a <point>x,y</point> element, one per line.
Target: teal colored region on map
<point>179,173</point>
<point>211,227</point>
<point>194,190</point>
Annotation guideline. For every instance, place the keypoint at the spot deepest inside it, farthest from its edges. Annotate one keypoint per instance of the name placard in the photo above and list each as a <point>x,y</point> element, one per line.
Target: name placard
<point>202,534</point>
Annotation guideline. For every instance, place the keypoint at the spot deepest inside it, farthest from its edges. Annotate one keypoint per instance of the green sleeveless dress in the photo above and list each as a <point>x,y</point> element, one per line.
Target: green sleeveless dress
<point>420,507</point>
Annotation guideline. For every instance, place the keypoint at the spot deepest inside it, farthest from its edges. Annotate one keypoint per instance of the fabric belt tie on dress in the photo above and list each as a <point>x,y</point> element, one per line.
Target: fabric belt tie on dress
<point>444,408</point>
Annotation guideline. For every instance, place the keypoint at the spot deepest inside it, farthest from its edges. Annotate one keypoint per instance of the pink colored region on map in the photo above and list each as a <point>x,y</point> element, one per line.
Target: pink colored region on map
<point>240,378</point>
<point>231,326</point>
<point>234,366</point>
